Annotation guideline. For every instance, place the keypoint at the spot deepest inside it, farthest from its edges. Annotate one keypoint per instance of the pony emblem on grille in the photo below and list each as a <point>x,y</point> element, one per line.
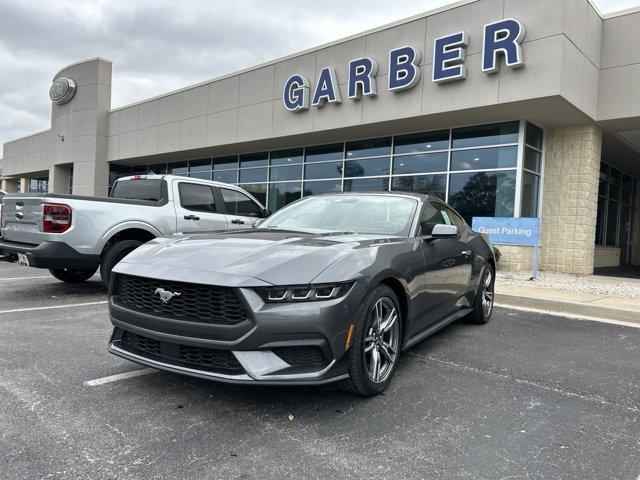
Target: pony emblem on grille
<point>166,295</point>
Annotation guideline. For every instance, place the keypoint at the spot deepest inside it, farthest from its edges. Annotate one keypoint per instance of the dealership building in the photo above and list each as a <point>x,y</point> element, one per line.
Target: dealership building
<point>505,108</point>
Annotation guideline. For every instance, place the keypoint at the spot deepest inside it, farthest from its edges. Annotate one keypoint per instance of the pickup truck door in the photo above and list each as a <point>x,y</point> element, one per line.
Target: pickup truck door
<point>241,211</point>
<point>196,208</point>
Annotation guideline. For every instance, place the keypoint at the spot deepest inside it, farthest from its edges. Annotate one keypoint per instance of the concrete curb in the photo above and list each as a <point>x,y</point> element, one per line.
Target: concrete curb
<point>568,307</point>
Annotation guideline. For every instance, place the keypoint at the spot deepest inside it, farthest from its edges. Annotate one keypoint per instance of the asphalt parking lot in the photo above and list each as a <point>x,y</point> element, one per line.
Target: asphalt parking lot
<point>528,396</point>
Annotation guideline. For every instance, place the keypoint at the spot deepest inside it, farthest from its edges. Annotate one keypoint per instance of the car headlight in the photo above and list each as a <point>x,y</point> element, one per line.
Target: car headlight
<point>304,293</point>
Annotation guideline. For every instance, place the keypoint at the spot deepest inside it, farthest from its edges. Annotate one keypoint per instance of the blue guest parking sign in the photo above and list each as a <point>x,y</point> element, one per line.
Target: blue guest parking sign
<point>511,231</point>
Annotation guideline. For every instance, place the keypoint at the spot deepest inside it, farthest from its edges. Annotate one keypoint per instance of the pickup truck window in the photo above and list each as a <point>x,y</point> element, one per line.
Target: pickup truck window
<point>197,197</point>
<point>237,203</point>
<point>146,189</point>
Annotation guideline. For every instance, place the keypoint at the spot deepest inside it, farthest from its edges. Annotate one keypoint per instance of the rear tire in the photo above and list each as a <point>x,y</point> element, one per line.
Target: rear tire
<point>113,255</point>
<point>372,338</point>
<point>483,303</point>
<point>73,275</point>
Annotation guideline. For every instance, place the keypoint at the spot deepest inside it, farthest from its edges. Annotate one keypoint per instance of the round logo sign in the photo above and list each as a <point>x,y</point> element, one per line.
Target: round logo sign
<point>62,90</point>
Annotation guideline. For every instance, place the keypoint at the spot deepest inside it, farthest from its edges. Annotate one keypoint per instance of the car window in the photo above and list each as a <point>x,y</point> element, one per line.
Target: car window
<point>237,203</point>
<point>197,197</point>
<point>142,189</point>
<point>430,217</point>
<point>454,218</point>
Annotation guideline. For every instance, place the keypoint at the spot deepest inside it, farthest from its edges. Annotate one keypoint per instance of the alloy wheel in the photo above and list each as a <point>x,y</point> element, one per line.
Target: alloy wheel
<point>487,293</point>
<point>382,340</point>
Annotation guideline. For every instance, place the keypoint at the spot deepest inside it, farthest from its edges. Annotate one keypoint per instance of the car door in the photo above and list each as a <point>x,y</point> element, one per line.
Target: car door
<point>197,210</point>
<point>447,262</point>
<point>241,211</point>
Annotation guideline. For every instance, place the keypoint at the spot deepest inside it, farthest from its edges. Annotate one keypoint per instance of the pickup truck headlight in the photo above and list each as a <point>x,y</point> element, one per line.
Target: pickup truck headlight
<point>304,293</point>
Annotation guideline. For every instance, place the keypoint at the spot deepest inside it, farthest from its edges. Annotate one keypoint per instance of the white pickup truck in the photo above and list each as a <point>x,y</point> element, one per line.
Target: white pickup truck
<point>73,235</point>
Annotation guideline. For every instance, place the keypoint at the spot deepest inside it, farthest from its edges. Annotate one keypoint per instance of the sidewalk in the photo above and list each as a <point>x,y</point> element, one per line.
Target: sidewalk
<point>567,302</point>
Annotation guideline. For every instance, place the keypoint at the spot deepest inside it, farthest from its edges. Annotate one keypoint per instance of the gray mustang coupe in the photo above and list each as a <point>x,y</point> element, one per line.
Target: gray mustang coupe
<point>330,288</point>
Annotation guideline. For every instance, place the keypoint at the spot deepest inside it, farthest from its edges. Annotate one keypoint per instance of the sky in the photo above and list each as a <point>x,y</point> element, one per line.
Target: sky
<point>162,45</point>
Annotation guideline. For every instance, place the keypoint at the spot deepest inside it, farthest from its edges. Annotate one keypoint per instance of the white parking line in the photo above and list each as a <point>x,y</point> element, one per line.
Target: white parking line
<point>570,315</point>
<point>120,376</point>
<point>25,278</point>
<point>51,307</point>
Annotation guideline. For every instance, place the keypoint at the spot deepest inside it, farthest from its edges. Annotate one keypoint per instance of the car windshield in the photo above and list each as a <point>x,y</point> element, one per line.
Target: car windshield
<point>370,214</point>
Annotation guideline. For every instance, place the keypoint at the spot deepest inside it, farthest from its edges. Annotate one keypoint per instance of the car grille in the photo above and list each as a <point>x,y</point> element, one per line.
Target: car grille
<point>301,356</point>
<point>207,359</point>
<point>196,303</point>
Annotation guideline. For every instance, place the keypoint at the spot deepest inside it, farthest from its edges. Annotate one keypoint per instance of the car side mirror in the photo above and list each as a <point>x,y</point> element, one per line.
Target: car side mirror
<point>265,213</point>
<point>441,230</point>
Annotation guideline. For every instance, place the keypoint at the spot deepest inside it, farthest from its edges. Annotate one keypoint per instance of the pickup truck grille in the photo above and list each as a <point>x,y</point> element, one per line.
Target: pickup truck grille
<point>195,302</point>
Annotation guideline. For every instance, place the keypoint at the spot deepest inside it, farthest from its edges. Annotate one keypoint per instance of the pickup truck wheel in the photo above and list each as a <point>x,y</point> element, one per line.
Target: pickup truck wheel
<point>113,255</point>
<point>73,275</point>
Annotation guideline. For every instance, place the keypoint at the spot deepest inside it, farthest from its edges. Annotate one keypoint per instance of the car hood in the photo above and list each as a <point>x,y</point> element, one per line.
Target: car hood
<point>233,258</point>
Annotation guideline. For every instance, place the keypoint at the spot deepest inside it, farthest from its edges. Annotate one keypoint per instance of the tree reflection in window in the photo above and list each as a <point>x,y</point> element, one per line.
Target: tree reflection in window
<point>483,194</point>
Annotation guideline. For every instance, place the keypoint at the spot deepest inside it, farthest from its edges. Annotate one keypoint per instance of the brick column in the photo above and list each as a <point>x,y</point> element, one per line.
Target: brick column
<point>570,199</point>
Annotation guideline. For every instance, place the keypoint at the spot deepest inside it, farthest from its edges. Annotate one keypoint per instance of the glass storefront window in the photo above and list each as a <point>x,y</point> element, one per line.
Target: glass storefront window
<point>533,136</point>
<point>226,176</point>
<point>483,194</point>
<point>260,159</point>
<point>323,170</point>
<point>600,219</point>
<point>201,175</point>
<point>253,175</point>
<point>603,187</point>
<point>158,169</point>
<point>318,188</point>
<point>613,218</point>
<point>281,194</point>
<point>532,159</point>
<point>484,158</point>
<point>225,163</point>
<point>614,192</point>
<point>258,190</point>
<point>482,135</point>
<point>321,153</point>
<point>429,184</point>
<point>291,172</point>
<point>421,142</point>
<point>421,163</point>
<point>181,168</point>
<point>286,157</point>
<point>530,188</point>
<point>200,165</point>
<point>369,148</point>
<point>471,158</point>
<point>367,168</point>
<point>366,184</point>
<point>615,200</point>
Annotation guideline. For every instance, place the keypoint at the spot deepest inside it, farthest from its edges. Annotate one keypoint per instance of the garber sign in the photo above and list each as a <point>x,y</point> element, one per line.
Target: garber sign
<point>500,39</point>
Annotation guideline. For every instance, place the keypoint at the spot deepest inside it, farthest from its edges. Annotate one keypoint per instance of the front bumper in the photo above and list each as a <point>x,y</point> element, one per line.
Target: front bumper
<point>48,255</point>
<point>269,348</point>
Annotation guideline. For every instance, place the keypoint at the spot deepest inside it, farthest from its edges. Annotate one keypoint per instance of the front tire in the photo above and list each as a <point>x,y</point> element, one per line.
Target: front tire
<point>73,275</point>
<point>113,255</point>
<point>483,304</point>
<point>377,342</point>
